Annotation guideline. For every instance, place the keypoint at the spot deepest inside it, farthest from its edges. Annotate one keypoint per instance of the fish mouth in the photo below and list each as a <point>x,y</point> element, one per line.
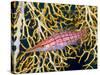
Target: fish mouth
<point>30,50</point>
<point>33,49</point>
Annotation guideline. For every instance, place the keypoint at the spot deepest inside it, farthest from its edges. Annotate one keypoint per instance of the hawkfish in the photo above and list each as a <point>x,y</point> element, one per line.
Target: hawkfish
<point>59,40</point>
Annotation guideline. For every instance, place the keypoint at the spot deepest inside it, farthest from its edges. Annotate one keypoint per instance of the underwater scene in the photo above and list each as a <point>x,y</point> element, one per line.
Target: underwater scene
<point>48,37</point>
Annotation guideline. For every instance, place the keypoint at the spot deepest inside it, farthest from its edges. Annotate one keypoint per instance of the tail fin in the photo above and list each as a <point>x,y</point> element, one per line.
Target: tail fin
<point>85,33</point>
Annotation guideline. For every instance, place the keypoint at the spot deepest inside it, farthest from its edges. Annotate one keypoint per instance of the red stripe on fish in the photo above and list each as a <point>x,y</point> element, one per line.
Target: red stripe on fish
<point>59,40</point>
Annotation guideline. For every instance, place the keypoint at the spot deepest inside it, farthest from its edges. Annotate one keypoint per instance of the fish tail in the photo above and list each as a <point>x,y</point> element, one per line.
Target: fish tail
<point>84,32</point>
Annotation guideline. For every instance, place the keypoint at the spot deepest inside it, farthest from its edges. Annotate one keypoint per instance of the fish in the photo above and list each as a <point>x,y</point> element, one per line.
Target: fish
<point>59,40</point>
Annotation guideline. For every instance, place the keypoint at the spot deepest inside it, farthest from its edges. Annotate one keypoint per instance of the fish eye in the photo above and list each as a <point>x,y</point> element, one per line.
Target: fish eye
<point>42,45</point>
